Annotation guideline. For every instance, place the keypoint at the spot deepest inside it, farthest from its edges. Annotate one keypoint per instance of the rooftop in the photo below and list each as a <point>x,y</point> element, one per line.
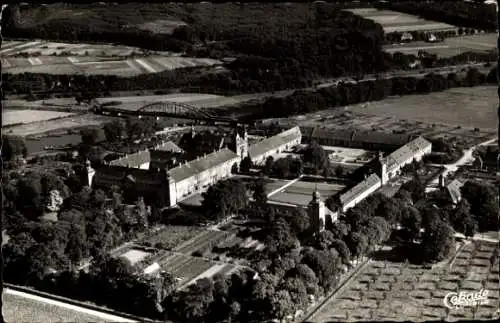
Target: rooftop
<point>351,194</point>
<point>274,142</point>
<point>201,164</point>
<point>133,160</point>
<point>168,146</point>
<point>454,190</point>
<point>407,151</point>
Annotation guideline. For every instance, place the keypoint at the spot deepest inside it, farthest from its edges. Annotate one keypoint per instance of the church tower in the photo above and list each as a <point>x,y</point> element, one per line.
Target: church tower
<point>382,165</point>
<point>89,173</point>
<point>316,211</point>
<point>241,141</point>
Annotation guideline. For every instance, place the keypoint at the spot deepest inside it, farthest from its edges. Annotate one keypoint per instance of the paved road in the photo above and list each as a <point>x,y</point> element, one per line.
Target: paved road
<point>464,160</point>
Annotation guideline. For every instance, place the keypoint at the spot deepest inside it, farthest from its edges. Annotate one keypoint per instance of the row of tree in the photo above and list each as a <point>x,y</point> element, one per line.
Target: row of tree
<point>301,102</point>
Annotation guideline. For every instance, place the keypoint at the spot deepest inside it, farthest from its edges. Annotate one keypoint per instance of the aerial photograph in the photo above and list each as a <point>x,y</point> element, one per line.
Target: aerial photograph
<point>199,162</point>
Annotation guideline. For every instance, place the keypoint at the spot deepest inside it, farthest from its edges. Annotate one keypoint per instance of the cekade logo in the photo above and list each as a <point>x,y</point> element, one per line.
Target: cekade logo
<point>465,299</point>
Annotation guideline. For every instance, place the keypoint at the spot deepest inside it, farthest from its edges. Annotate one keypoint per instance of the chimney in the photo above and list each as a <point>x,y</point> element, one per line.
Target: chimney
<point>442,183</point>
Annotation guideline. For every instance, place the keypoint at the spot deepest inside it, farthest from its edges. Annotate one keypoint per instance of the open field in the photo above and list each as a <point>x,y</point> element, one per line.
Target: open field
<point>299,193</point>
<point>451,114</point>
<point>387,290</point>
<point>171,236</point>
<point>71,122</point>
<point>449,47</point>
<point>468,107</point>
<point>393,21</point>
<point>20,309</point>
<point>10,117</point>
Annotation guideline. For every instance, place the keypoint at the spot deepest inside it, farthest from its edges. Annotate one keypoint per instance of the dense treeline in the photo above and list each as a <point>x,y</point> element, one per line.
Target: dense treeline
<point>248,74</point>
<point>458,13</point>
<point>301,102</point>
<point>320,38</point>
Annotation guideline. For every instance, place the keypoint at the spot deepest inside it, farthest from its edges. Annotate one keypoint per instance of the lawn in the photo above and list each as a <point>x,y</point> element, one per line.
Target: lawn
<point>171,236</point>
<point>10,117</point>
<point>387,290</point>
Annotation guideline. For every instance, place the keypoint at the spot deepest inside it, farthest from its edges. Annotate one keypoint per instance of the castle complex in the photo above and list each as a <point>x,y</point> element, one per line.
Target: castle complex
<point>166,174</point>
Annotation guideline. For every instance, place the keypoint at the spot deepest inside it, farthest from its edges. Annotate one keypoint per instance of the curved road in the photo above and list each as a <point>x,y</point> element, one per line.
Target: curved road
<point>464,160</point>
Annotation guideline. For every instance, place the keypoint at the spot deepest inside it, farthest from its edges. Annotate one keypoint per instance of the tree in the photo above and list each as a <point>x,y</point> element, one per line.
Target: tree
<point>340,229</point>
<point>246,164</point>
<point>281,304</point>
<point>114,130</point>
<point>307,276</point>
<point>389,209</point>
<point>13,146</point>
<point>462,220</point>
<point>483,199</point>
<point>343,251</point>
<point>299,222</point>
<point>325,266</point>
<point>224,198</point>
<point>316,156</point>
<point>357,243</point>
<point>281,239</point>
<point>76,249</point>
<point>89,136</point>
<point>260,192</point>
<point>411,221</point>
<point>438,242</point>
<point>268,166</point>
<point>416,188</point>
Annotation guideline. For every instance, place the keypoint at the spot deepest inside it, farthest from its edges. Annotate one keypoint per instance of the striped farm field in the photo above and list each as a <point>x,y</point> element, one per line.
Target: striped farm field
<point>92,65</point>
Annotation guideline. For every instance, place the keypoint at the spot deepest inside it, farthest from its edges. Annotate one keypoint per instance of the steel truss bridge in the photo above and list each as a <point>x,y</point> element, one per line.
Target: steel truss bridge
<point>166,109</point>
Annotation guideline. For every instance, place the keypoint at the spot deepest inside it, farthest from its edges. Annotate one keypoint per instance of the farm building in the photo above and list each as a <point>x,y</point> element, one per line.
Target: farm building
<point>370,140</point>
<point>165,174</point>
<point>412,151</point>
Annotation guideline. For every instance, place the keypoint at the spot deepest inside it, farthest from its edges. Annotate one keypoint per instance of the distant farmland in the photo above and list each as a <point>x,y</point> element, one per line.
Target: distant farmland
<point>450,46</point>
<point>393,21</point>
<point>90,59</point>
